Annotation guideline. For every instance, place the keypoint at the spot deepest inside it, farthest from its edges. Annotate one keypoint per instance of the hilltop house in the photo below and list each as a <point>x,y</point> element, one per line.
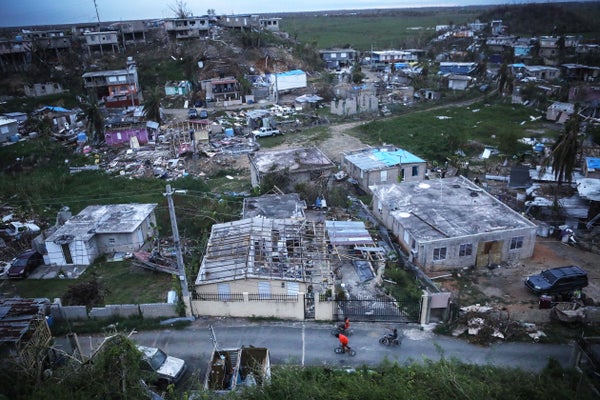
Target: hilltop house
<point>338,58</point>
<point>102,41</point>
<point>99,230</point>
<point>452,223</point>
<point>116,88</point>
<point>186,28</point>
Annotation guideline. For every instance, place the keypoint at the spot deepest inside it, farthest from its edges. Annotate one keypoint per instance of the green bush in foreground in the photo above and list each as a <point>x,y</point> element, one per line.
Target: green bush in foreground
<point>429,380</point>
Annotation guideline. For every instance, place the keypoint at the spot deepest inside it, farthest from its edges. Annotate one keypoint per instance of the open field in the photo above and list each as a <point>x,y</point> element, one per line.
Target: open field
<point>378,29</point>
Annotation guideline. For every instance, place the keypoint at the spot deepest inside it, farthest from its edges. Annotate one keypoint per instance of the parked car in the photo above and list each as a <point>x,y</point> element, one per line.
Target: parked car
<point>558,280</point>
<point>167,368</point>
<point>192,113</point>
<point>24,264</point>
<point>203,114</point>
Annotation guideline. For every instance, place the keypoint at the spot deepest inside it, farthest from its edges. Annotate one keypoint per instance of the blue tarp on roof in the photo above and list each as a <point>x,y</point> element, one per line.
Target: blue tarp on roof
<point>376,159</point>
<point>292,72</point>
<point>593,163</point>
<point>56,109</point>
<point>397,156</point>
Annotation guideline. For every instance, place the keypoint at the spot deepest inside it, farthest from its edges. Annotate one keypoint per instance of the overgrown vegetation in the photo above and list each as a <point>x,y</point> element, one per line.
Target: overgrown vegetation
<point>436,135</point>
<point>127,284</point>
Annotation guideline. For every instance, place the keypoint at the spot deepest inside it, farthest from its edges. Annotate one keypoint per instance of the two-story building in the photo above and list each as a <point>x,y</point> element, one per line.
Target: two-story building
<point>102,41</point>
<point>222,89</point>
<point>15,54</point>
<point>116,88</point>
<point>338,58</point>
<point>186,28</point>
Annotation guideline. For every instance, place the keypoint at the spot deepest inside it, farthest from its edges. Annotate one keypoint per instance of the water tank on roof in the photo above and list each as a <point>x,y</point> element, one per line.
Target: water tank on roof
<point>81,137</point>
<point>229,132</point>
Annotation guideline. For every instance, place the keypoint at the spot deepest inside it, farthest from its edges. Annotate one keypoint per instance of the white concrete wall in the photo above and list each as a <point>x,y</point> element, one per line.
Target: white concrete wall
<point>244,309</point>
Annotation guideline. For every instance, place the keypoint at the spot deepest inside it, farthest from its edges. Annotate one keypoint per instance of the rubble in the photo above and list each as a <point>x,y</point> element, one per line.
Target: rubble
<point>485,324</point>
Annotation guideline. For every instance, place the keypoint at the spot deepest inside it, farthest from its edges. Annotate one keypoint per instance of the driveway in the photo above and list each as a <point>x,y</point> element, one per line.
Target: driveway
<point>310,343</point>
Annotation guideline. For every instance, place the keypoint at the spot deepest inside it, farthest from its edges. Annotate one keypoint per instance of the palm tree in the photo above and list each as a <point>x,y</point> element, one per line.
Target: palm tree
<point>565,150</point>
<point>94,119</point>
<point>152,108</point>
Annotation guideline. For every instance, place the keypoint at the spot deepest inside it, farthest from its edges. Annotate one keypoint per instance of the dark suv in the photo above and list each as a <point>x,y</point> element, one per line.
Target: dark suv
<point>558,280</point>
<point>24,264</point>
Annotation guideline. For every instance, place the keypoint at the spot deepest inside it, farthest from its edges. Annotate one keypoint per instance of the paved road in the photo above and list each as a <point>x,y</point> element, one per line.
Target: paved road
<point>312,344</point>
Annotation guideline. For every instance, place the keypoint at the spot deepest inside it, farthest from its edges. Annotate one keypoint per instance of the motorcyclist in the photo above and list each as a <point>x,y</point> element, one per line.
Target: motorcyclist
<point>343,341</point>
<point>393,335</point>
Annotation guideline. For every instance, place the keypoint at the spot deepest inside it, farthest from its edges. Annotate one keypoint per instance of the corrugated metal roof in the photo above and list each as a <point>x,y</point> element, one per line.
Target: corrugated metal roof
<point>348,233</point>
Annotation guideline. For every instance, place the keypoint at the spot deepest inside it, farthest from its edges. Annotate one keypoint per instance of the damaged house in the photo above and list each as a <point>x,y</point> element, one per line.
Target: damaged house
<point>298,165</point>
<point>24,331</point>
<point>274,206</point>
<point>452,223</point>
<point>261,267</point>
<point>99,230</point>
<point>386,164</point>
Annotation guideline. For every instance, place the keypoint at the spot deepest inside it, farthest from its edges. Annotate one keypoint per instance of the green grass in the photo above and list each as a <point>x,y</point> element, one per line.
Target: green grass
<point>127,284</point>
<point>434,135</point>
<point>378,30</point>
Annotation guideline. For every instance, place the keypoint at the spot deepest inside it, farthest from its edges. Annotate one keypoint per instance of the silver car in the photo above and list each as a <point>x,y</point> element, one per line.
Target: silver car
<point>169,369</point>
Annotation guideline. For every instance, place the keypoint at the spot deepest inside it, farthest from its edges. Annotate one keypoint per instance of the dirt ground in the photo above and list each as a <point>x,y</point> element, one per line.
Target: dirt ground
<point>503,286</point>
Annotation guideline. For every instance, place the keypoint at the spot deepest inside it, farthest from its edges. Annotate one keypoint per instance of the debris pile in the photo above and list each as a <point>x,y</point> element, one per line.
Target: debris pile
<point>484,325</point>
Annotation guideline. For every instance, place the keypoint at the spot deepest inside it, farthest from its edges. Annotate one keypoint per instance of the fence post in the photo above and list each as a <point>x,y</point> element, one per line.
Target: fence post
<point>245,294</point>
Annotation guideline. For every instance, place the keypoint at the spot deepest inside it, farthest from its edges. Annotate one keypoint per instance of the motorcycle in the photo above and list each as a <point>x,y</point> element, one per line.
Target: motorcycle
<point>349,350</point>
<point>389,339</point>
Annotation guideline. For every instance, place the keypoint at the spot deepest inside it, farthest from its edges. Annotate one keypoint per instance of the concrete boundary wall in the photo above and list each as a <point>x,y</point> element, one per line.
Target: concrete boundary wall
<point>153,310</point>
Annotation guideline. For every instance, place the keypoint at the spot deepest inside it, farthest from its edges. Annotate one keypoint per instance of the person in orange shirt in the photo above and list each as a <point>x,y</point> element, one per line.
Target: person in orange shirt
<point>344,326</point>
<point>343,341</point>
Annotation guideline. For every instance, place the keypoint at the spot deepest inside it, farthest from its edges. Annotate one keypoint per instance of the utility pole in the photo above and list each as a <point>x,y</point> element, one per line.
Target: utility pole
<point>97,15</point>
<point>180,265</point>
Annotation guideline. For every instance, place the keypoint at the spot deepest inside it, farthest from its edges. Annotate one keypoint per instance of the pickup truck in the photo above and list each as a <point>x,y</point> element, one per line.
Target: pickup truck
<point>264,131</point>
<point>16,230</point>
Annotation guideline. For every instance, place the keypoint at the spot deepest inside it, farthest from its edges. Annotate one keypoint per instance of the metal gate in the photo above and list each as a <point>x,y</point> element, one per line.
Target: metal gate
<point>309,306</point>
<point>379,309</point>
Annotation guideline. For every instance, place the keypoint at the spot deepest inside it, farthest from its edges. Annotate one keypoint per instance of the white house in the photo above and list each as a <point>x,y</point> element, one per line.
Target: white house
<point>284,81</point>
<point>452,223</point>
<point>8,128</point>
<point>99,230</point>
